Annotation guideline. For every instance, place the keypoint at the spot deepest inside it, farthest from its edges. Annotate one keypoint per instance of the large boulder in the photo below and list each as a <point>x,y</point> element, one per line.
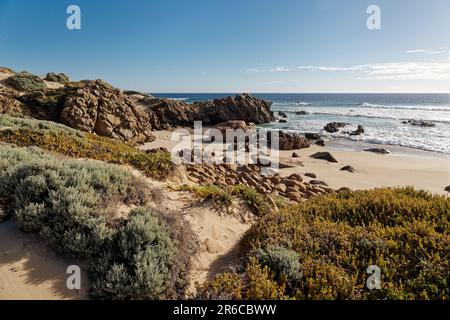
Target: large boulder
<point>334,126</point>
<point>289,141</point>
<point>57,77</point>
<point>241,107</point>
<point>26,82</point>
<point>95,106</point>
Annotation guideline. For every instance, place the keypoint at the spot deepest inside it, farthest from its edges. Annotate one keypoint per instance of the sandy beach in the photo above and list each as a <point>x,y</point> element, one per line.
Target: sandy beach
<point>29,269</point>
<point>403,167</point>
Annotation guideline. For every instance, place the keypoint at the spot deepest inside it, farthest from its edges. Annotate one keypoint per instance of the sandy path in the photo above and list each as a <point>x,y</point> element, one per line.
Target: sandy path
<point>30,270</point>
<point>218,232</point>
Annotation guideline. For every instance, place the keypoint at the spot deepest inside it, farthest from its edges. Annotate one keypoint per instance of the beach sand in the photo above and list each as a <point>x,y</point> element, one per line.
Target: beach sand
<point>403,167</point>
<point>29,269</point>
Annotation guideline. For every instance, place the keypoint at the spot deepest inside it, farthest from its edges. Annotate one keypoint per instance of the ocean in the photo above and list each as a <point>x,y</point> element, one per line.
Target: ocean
<point>381,115</point>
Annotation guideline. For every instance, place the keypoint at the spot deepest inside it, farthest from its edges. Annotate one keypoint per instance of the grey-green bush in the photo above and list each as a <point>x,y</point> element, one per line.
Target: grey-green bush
<point>284,262</point>
<point>139,265</point>
<point>70,203</point>
<point>25,81</point>
<point>57,77</point>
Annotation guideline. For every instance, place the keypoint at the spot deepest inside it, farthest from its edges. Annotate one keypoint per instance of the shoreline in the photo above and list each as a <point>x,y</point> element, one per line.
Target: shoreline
<point>342,144</point>
<point>403,167</point>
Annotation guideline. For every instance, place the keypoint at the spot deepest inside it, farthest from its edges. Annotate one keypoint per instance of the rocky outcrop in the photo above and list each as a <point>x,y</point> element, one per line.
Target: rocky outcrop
<point>57,77</point>
<point>232,125</point>
<point>95,106</point>
<point>289,141</point>
<point>334,126</point>
<point>25,82</point>
<point>312,136</point>
<point>8,102</point>
<point>282,114</point>
<point>301,113</point>
<point>420,123</point>
<point>44,104</point>
<point>241,107</point>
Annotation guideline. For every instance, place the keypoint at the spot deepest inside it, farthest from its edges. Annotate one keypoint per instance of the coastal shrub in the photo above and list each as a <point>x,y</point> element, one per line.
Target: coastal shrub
<point>406,233</point>
<point>256,283</point>
<point>258,202</point>
<point>57,77</point>
<point>220,195</point>
<point>69,203</point>
<point>284,262</point>
<point>139,263</point>
<point>25,81</point>
<point>73,205</point>
<point>223,195</point>
<point>70,142</point>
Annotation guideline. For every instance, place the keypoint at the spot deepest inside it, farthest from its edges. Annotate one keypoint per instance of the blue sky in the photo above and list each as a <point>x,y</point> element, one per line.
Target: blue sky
<point>234,45</point>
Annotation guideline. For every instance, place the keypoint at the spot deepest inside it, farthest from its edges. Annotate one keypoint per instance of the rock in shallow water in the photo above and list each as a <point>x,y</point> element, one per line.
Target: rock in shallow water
<point>420,123</point>
<point>334,126</point>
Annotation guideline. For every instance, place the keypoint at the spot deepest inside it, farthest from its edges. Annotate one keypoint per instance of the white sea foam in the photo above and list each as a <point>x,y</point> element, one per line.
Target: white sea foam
<point>382,123</point>
<point>178,99</point>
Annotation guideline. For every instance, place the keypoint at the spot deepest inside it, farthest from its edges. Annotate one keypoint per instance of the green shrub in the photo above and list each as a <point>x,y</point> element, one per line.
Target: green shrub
<point>72,205</point>
<point>25,81</point>
<point>224,196</point>
<point>284,262</point>
<point>73,143</point>
<point>57,77</point>
<point>69,203</point>
<point>337,237</point>
<point>138,266</point>
<point>256,283</point>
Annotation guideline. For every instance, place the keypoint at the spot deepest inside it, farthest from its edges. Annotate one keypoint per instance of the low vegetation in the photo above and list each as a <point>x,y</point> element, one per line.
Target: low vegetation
<point>223,196</point>
<point>73,205</point>
<point>321,249</point>
<point>25,81</point>
<point>58,138</point>
<point>57,77</point>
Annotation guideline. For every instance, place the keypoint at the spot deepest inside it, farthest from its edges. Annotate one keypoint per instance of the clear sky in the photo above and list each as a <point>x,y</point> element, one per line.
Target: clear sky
<point>234,45</point>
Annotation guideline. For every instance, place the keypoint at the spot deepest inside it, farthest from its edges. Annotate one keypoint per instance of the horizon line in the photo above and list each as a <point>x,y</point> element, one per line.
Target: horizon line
<point>241,92</point>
